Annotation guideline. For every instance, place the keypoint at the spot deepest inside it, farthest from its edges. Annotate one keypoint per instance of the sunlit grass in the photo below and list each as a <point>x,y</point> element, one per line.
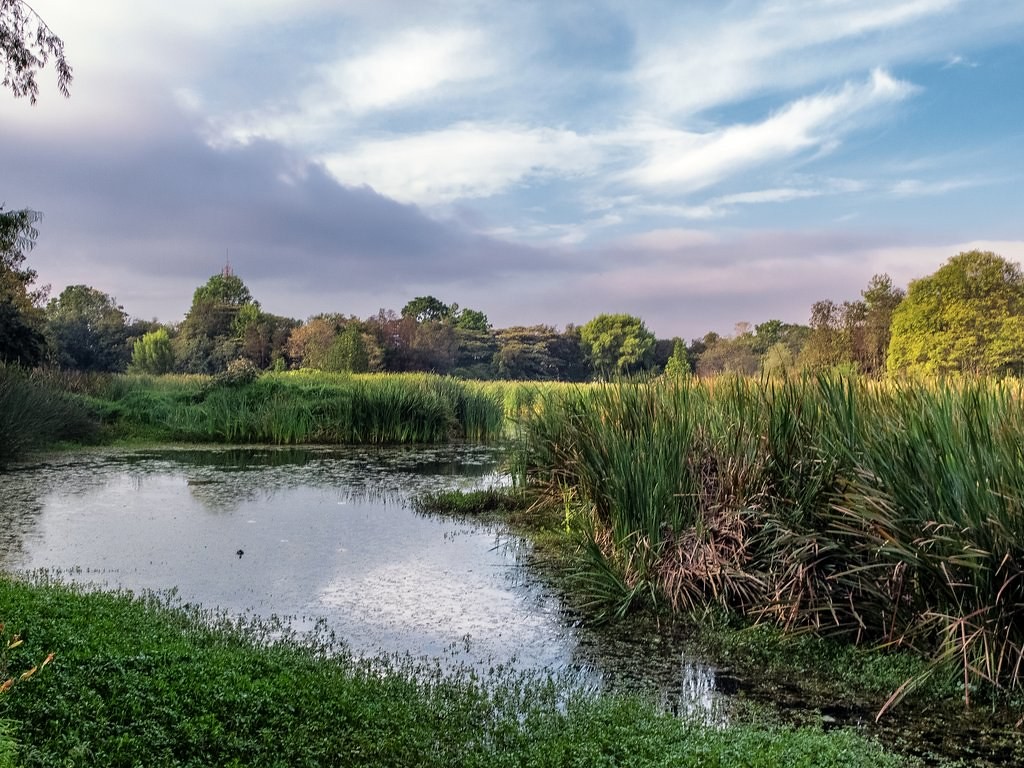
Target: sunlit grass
<point>886,513</point>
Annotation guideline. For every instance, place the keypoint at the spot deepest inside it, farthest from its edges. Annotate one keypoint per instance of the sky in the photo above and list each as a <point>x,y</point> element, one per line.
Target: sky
<point>697,164</point>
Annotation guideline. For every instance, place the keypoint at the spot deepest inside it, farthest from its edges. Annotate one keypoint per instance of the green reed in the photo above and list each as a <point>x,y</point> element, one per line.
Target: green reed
<point>33,413</point>
<point>885,513</point>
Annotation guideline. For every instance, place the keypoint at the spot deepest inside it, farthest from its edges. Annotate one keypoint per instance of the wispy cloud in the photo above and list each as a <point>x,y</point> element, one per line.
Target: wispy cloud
<point>686,161</point>
<point>467,160</point>
<point>407,68</point>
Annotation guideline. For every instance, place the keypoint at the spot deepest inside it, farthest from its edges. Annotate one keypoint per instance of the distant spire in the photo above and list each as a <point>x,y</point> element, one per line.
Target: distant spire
<point>226,272</point>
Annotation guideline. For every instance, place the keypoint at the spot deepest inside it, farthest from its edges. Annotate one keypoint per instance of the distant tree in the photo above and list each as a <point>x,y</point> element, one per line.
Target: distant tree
<point>471,320</point>
<point>26,45</point>
<point>778,361</point>
<point>153,353</point>
<point>88,330</point>
<point>968,317</point>
<point>474,353</point>
<point>21,332</point>
<point>733,355</point>
<point>678,365</point>
<point>424,308</point>
<point>524,353</point>
<point>209,337</point>
<point>348,351</point>
<point>618,343</point>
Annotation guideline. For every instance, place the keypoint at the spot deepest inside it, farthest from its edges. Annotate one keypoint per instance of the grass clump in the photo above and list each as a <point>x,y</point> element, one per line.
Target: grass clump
<point>887,514</point>
<point>479,503</point>
<point>137,683</point>
<point>34,414</point>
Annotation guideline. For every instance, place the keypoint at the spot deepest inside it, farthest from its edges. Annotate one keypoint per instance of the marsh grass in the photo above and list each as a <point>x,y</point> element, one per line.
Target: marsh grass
<point>887,514</point>
<point>139,683</point>
<point>33,413</point>
<point>305,407</point>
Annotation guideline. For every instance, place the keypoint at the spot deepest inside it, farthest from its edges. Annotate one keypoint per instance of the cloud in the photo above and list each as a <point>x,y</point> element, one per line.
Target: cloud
<point>408,67</point>
<point>696,61</point>
<point>466,160</point>
<point>686,161</point>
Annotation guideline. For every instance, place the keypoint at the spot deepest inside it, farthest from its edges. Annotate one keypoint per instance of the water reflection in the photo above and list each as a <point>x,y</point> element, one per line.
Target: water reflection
<point>325,534</point>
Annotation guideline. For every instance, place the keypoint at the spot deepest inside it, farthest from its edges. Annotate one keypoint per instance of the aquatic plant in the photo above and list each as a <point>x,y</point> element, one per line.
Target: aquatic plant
<point>887,514</point>
<point>141,683</point>
<point>32,414</point>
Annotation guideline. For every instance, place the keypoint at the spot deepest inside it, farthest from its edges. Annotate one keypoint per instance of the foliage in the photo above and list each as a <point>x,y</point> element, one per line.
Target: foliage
<point>968,317</point>
<point>883,514</point>
<point>33,414</point>
<point>303,407</point>
<point>617,343</point>
<point>21,329</point>
<point>140,684</point>
<point>424,308</point>
<point>678,365</point>
<point>88,330</point>
<point>26,46</point>
<point>211,335</point>
<point>854,334</point>
<point>153,353</point>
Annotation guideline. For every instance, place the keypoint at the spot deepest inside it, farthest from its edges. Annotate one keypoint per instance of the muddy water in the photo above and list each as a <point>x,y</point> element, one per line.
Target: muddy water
<point>325,534</point>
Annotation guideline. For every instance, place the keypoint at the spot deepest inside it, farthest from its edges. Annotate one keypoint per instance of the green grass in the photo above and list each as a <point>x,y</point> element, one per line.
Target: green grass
<point>33,414</point>
<point>885,514</point>
<point>137,683</point>
<point>302,407</point>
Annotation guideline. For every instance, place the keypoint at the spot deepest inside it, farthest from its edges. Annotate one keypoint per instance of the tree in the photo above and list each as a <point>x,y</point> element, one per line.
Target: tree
<point>88,330</point>
<point>21,333</point>
<point>968,317</point>
<point>678,365</point>
<point>348,351</point>
<point>210,335</point>
<point>617,343</point>
<point>153,353</point>
<point>26,45</point>
<point>424,308</point>
<point>471,320</point>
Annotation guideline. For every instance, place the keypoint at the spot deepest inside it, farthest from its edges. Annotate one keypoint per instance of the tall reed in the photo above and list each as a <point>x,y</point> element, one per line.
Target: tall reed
<point>887,513</point>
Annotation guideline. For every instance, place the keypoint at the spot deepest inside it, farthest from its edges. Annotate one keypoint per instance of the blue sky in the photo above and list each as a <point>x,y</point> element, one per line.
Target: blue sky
<point>698,164</point>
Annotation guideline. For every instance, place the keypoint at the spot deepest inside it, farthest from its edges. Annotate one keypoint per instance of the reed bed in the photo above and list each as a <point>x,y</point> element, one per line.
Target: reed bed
<point>33,413</point>
<point>308,407</point>
<point>891,514</point>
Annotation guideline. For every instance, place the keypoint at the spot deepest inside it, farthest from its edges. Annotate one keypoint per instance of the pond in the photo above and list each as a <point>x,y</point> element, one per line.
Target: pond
<point>318,534</point>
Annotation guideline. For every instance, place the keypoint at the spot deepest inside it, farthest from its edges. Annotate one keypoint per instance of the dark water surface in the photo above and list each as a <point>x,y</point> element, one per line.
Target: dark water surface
<point>324,534</point>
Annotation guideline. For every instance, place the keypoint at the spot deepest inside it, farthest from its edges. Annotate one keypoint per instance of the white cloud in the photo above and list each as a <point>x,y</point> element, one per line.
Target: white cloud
<point>919,188</point>
<point>686,161</point>
<point>467,160</point>
<point>408,67</point>
<point>694,63</point>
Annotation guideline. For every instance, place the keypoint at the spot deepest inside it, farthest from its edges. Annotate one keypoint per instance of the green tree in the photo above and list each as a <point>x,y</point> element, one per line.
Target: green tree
<point>21,331</point>
<point>678,365</point>
<point>348,351</point>
<point>424,308</point>
<point>968,317</point>
<point>87,330</point>
<point>210,335</point>
<point>26,45</point>
<point>471,320</point>
<point>153,353</point>
<point>618,343</point>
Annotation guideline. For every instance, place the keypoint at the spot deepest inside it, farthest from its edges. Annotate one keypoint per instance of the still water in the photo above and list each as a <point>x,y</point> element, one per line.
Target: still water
<point>324,534</point>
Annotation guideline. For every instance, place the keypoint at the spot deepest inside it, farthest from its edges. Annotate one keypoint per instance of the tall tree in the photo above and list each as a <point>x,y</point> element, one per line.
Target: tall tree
<point>617,343</point>
<point>153,353</point>
<point>88,330</point>
<point>967,317</point>
<point>210,337</point>
<point>21,332</point>
<point>26,45</point>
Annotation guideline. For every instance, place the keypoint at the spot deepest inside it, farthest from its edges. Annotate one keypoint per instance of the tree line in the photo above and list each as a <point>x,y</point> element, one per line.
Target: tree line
<point>967,317</point>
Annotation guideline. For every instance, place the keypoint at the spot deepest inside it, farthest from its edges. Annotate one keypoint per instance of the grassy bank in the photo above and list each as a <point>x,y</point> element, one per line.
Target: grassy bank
<point>34,413</point>
<point>885,514</point>
<point>134,683</point>
<point>302,407</point>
